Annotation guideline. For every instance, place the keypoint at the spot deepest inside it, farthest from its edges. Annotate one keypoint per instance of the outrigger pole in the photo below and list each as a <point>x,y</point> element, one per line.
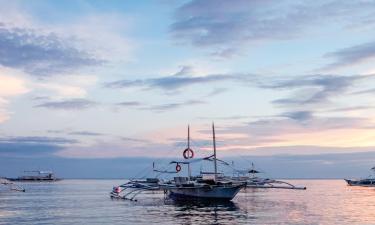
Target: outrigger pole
<point>214,143</point>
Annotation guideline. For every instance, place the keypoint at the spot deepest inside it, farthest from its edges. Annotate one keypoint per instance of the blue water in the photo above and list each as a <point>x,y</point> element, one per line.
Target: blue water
<point>88,202</point>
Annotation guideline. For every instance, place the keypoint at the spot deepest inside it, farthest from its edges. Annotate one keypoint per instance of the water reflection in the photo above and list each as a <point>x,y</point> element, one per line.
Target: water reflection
<point>88,202</point>
<point>205,212</point>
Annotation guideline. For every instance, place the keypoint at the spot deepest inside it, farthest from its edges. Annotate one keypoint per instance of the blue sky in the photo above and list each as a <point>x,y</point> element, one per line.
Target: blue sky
<point>103,80</point>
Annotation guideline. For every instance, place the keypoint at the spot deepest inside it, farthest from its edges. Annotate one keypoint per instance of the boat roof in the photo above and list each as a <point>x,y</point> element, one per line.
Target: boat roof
<point>38,171</point>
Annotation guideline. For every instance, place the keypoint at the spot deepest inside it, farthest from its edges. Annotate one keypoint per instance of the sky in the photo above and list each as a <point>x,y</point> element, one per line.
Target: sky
<point>107,87</point>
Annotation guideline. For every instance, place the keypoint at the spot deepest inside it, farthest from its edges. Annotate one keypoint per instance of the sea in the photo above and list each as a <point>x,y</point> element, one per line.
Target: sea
<point>88,202</point>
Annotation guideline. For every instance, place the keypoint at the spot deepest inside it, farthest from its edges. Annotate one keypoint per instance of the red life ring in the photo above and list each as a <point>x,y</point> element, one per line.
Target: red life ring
<point>178,168</point>
<point>188,153</point>
<point>117,189</point>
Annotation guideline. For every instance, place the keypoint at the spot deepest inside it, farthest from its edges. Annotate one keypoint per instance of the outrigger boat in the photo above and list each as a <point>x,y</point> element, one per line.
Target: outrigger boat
<point>253,181</point>
<point>36,175</point>
<point>132,188</point>
<point>11,185</point>
<point>366,182</point>
<point>207,187</point>
<point>185,188</point>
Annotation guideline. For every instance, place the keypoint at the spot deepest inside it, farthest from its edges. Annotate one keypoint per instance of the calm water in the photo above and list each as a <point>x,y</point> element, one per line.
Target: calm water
<point>88,202</point>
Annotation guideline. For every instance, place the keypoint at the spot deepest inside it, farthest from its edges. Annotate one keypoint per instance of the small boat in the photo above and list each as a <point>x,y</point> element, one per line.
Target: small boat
<point>7,183</point>
<point>36,175</point>
<point>366,182</point>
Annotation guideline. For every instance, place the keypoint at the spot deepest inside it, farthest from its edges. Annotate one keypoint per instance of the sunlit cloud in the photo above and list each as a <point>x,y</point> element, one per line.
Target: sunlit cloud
<point>11,84</point>
<point>67,86</point>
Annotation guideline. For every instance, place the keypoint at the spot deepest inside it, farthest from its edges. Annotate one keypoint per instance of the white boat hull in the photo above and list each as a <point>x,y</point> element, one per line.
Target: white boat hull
<point>206,192</point>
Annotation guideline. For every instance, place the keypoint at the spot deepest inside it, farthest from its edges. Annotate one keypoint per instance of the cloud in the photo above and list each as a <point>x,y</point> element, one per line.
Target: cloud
<point>85,133</point>
<point>351,56</point>
<point>298,115</point>
<point>104,34</point>
<point>225,25</point>
<point>41,54</point>
<point>313,89</point>
<point>367,91</point>
<point>115,150</point>
<point>161,107</point>
<point>30,146</point>
<point>299,128</point>
<point>128,139</point>
<point>11,85</point>
<point>216,91</point>
<point>172,82</point>
<point>179,80</point>
<point>27,149</point>
<point>350,108</point>
<point>173,106</point>
<point>71,104</point>
<point>70,86</point>
<point>37,139</point>
<point>234,117</point>
<point>129,104</point>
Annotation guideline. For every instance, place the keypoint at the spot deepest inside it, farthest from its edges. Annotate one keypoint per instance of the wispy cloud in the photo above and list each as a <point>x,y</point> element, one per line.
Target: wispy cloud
<point>233,117</point>
<point>71,104</point>
<point>174,82</point>
<point>173,106</point>
<point>159,108</point>
<point>367,91</point>
<point>181,79</point>
<point>351,56</point>
<point>217,91</point>
<point>41,54</point>
<point>225,25</point>
<point>350,108</point>
<point>30,146</point>
<point>37,139</point>
<point>298,115</point>
<point>85,133</point>
<point>129,104</point>
<point>314,89</point>
<point>137,140</point>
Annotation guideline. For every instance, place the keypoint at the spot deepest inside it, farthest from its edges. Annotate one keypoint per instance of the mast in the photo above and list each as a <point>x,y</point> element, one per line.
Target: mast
<point>214,143</point>
<point>188,147</point>
<point>188,141</point>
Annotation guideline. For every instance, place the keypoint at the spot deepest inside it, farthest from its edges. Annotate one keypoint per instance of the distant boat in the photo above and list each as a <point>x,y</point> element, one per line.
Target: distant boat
<point>7,183</point>
<point>36,175</point>
<point>366,182</point>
